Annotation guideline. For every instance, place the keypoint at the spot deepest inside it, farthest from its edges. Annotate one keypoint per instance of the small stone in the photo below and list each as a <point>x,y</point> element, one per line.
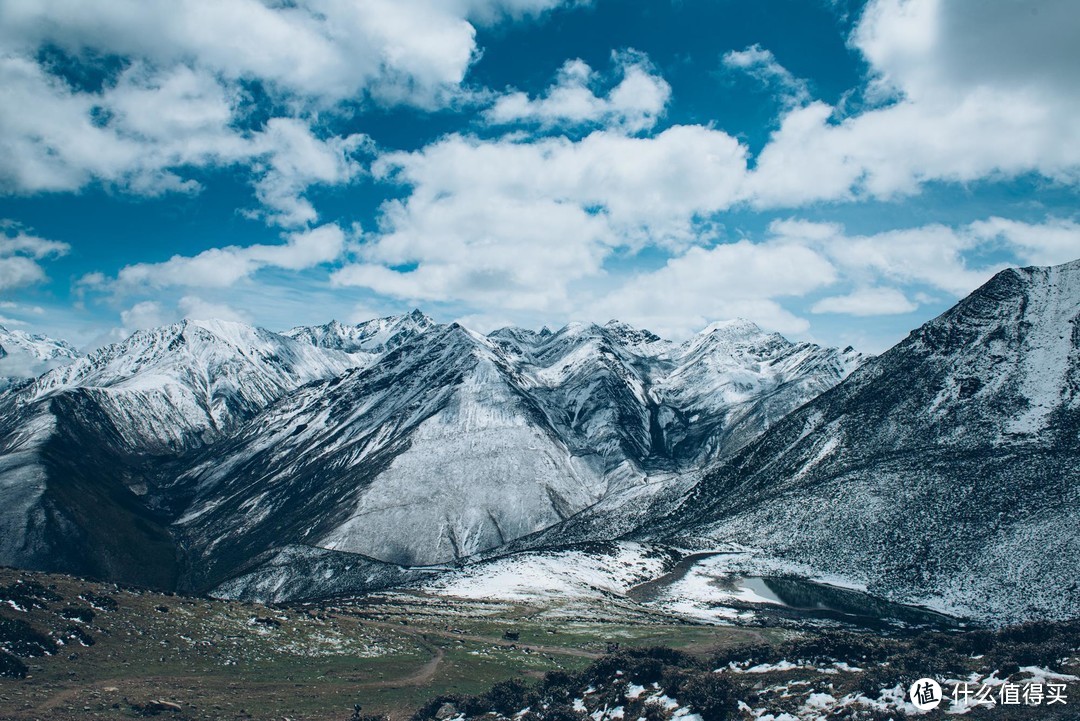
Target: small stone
<point>447,710</point>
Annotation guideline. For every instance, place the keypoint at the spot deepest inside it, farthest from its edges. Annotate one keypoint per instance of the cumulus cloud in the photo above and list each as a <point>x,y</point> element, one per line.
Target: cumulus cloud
<point>323,49</point>
<point>608,191</point>
<point>1051,243</point>
<point>136,133</point>
<point>645,188</point>
<point>761,64</point>
<point>491,11</point>
<point>519,222</point>
<point>635,103</point>
<point>199,309</point>
<point>19,253</point>
<point>731,280</point>
<point>170,91</point>
<point>223,267</point>
<point>881,274</point>
<point>143,315</point>
<point>970,91</point>
<point>21,364</point>
<point>295,160</point>
<point>934,255</point>
<point>866,302</point>
<point>153,314</point>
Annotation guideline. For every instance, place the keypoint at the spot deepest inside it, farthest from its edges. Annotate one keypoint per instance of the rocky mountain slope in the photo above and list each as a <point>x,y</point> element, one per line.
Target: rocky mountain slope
<point>367,340</point>
<point>26,355</point>
<point>945,471</point>
<point>88,452</point>
<point>434,453</point>
<point>454,444</point>
<point>354,450</point>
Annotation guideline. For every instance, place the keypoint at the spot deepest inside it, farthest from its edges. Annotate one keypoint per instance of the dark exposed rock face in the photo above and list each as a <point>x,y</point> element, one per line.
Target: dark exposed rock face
<point>946,470</point>
<point>207,451</point>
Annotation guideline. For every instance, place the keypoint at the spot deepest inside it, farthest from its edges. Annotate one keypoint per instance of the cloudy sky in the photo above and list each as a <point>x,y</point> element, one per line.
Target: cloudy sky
<point>835,170</point>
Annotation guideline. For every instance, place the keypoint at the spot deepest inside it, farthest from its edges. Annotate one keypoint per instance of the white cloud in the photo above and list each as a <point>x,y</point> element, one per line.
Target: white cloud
<point>974,91</point>
<point>222,267</point>
<point>18,272</point>
<point>934,255</point>
<point>731,280</point>
<point>60,139</point>
<point>153,314</point>
<point>21,364</point>
<point>926,49</point>
<point>143,315</point>
<point>866,302</point>
<point>297,159</point>
<point>25,244</point>
<point>136,132</point>
<point>761,64</point>
<point>198,309</point>
<point>326,49</point>
<point>497,254</point>
<point>491,11</point>
<point>5,321</point>
<point>634,104</point>
<point>519,223</point>
<point>19,307</point>
<point>19,253</point>
<point>177,104</point>
<point>798,258</point>
<point>1051,243</point>
<point>648,189</point>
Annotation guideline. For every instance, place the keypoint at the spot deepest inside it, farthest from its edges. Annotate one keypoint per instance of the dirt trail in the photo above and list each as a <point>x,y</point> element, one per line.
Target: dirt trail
<point>420,677</point>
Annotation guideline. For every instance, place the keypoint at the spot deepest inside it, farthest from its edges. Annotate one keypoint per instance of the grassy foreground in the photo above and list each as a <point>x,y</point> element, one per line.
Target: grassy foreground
<point>76,649</point>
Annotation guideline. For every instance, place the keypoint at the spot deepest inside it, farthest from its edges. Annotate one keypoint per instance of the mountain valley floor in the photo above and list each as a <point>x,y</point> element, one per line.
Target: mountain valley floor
<point>77,649</point>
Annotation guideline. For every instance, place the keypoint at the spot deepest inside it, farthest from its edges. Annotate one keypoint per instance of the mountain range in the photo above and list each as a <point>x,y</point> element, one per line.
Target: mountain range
<point>945,471</point>
<point>205,445</point>
<point>25,355</point>
<point>214,457</point>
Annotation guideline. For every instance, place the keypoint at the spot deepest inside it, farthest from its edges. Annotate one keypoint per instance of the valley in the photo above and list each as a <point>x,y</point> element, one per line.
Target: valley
<point>409,519</point>
<point>407,654</point>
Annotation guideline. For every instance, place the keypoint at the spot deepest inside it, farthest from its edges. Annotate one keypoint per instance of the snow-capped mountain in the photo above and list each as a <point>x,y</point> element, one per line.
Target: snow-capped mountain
<point>189,383</point>
<point>26,355</point>
<point>400,440</point>
<point>945,471</point>
<point>431,455</point>
<point>733,380</point>
<point>453,444</point>
<point>367,340</point>
<point>37,346</point>
<point>84,449</point>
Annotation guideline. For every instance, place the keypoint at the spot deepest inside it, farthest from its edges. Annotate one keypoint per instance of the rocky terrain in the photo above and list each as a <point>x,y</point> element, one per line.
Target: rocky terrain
<point>77,649</point>
<point>210,454</point>
<point>944,472</point>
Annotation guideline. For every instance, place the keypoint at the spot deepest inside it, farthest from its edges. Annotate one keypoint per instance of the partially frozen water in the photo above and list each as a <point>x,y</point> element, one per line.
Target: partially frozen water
<point>817,600</point>
<point>700,587</point>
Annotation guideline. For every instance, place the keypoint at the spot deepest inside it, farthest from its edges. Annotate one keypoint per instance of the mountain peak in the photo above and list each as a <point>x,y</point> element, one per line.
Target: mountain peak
<point>734,328</point>
<point>625,329</point>
<point>371,337</point>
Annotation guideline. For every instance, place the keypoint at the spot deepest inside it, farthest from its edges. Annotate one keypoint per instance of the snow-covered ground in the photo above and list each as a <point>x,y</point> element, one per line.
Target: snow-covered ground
<point>556,575</point>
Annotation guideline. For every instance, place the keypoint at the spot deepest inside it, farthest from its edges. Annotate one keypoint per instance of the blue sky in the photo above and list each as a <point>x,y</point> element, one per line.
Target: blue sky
<point>836,171</point>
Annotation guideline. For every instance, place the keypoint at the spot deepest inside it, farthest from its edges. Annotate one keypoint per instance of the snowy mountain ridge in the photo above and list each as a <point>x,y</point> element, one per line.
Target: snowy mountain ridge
<point>216,457</point>
<point>400,439</point>
<point>26,355</point>
<point>958,449</point>
<point>39,346</point>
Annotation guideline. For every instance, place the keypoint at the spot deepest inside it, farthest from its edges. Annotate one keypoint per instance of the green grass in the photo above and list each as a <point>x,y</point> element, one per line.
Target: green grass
<point>207,655</point>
